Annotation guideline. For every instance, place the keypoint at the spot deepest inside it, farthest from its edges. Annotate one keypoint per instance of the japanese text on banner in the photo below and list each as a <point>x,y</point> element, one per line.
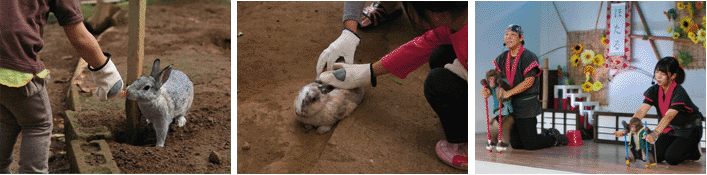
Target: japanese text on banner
<point>617,29</point>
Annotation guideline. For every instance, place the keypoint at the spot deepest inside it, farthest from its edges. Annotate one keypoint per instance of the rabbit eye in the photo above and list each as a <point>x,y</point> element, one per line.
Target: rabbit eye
<point>146,88</point>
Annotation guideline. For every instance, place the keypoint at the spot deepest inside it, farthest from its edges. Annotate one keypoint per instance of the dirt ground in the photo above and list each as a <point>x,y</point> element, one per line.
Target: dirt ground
<point>194,37</point>
<point>394,130</point>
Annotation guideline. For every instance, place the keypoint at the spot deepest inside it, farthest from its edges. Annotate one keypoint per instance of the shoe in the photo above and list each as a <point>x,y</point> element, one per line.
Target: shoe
<point>490,146</point>
<point>454,155</point>
<point>376,15</point>
<point>502,146</point>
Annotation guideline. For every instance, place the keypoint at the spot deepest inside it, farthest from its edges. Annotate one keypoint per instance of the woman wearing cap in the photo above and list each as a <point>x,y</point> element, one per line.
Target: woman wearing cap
<point>679,131</point>
<point>521,69</point>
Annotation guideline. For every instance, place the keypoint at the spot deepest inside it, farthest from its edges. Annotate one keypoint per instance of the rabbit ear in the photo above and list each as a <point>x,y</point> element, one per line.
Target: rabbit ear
<point>163,75</point>
<point>155,69</point>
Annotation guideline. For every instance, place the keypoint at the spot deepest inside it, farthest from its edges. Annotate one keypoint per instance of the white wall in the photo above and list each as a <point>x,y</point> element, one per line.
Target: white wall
<point>544,32</point>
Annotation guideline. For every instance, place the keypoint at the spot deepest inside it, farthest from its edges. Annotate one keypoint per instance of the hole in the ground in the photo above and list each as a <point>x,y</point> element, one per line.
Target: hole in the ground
<point>221,41</point>
<point>143,136</point>
<point>95,159</point>
<point>90,147</point>
<point>99,29</point>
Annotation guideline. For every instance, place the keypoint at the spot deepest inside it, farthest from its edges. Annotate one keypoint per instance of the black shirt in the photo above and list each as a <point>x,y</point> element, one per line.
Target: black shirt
<point>688,117</point>
<point>526,103</point>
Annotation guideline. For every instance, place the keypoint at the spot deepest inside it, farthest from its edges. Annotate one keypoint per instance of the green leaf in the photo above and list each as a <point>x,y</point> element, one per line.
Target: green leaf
<point>685,57</point>
<point>398,81</point>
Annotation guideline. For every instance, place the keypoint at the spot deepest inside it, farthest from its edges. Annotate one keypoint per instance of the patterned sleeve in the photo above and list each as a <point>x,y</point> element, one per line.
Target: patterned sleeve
<point>681,101</point>
<point>530,66</point>
<point>650,97</point>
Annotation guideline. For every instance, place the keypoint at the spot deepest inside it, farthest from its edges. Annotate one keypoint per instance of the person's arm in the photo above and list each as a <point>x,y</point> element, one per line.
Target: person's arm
<point>352,12</point>
<point>85,44</point>
<point>525,85</point>
<point>665,121</point>
<point>351,25</point>
<point>104,72</point>
<point>378,69</point>
<point>640,113</point>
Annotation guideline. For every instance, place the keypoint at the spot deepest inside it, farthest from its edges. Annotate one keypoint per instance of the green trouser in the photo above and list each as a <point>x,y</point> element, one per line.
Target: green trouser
<point>26,110</point>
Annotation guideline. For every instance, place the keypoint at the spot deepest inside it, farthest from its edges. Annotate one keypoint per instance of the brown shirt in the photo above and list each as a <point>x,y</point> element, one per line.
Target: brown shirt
<point>22,26</point>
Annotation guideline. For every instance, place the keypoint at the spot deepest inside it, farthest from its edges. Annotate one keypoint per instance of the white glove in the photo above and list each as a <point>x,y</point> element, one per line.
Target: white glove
<point>457,68</point>
<point>349,76</point>
<point>344,46</point>
<point>108,79</point>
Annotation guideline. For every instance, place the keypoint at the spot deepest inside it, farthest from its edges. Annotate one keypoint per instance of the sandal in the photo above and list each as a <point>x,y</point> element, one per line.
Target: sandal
<point>376,15</point>
<point>454,155</point>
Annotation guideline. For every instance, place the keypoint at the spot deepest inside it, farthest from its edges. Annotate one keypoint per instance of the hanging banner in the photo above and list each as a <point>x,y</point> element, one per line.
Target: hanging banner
<point>617,29</point>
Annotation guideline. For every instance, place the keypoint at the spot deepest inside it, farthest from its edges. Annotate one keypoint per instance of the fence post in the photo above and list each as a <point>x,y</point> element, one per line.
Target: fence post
<point>136,52</point>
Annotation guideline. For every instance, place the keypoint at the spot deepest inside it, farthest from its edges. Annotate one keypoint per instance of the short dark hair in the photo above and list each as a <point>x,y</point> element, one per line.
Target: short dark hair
<point>672,66</point>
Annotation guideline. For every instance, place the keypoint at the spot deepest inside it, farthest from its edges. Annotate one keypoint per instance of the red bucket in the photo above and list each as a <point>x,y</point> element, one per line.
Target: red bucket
<point>574,137</point>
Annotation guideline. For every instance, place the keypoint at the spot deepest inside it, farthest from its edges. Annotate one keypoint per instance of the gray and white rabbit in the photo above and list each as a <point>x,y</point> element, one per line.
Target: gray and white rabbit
<point>163,97</point>
<point>323,105</point>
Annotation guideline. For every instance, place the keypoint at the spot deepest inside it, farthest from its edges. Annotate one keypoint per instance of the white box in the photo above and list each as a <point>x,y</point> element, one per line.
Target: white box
<point>606,130</point>
<point>571,116</point>
<point>606,121</point>
<point>607,137</point>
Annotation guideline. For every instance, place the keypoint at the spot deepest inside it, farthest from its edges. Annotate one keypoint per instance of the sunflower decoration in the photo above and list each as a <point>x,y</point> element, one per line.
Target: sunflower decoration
<point>693,37</point>
<point>670,29</point>
<point>597,86</point>
<point>681,6</point>
<point>587,56</point>
<point>575,60</point>
<point>598,60</point>
<point>701,34</point>
<point>685,23</point>
<point>688,7</point>
<point>604,41</point>
<point>676,35</point>
<point>694,27</point>
<point>577,48</point>
<point>703,21</point>
<point>589,70</point>
<point>587,87</point>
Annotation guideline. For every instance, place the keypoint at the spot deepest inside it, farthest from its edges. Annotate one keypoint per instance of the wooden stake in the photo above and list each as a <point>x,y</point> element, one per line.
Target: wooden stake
<point>645,27</point>
<point>545,82</point>
<point>561,21</point>
<point>598,15</point>
<point>663,38</point>
<point>136,52</point>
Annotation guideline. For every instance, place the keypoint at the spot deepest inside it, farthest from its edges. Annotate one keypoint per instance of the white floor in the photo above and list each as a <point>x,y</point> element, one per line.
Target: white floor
<point>484,167</point>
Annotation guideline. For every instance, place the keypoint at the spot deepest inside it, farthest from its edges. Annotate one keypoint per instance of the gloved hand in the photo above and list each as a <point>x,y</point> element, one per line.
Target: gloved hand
<point>349,76</point>
<point>107,78</point>
<point>457,68</point>
<point>344,46</point>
